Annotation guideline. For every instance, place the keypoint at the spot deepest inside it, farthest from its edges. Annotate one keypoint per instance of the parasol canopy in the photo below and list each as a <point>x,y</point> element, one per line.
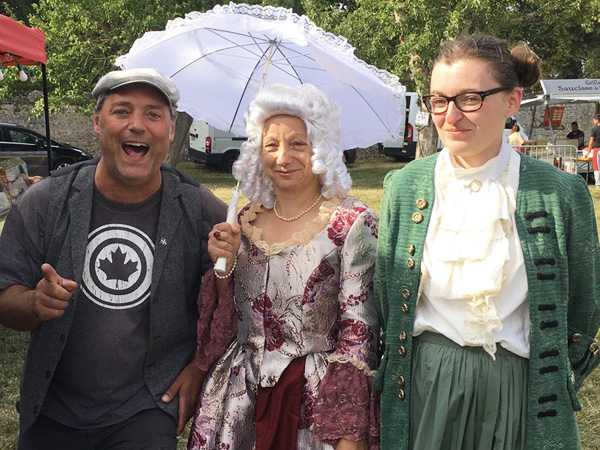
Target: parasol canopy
<point>220,59</point>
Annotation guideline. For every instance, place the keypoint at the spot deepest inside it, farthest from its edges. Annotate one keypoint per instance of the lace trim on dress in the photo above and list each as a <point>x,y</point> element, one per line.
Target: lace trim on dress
<point>217,324</point>
<point>347,407</point>
<point>311,229</point>
<point>361,365</point>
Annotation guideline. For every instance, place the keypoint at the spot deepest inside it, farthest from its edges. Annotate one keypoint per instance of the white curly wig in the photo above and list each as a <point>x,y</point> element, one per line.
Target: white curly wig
<point>321,117</point>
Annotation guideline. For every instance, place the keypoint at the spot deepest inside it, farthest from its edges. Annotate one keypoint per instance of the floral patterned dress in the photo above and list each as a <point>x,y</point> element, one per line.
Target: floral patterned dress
<point>312,297</point>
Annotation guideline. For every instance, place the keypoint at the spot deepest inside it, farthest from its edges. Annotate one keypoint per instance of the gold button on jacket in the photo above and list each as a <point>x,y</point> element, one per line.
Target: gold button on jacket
<point>421,203</point>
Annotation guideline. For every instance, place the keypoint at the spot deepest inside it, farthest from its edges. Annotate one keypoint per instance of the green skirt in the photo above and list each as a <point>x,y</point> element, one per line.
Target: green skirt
<point>464,400</point>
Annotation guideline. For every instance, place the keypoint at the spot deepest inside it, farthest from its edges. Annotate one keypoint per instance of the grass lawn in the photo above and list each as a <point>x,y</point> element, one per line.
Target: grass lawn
<point>367,175</point>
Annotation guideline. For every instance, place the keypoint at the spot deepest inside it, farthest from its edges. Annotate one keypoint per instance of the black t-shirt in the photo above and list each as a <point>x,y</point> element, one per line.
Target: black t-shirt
<point>577,135</point>
<point>99,378</point>
<point>595,133</point>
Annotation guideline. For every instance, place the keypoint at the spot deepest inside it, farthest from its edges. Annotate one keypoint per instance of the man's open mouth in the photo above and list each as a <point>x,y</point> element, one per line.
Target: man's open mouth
<point>135,149</point>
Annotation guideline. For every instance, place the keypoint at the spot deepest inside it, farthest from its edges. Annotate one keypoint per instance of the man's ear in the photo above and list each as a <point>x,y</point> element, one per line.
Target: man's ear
<point>172,132</point>
<point>96,121</point>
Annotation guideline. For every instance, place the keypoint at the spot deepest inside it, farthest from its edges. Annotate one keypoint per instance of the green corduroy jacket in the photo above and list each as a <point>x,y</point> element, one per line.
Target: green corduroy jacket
<point>557,229</point>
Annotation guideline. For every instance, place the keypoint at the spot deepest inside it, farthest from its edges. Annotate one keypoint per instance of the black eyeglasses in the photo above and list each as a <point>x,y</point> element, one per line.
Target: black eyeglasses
<point>466,102</point>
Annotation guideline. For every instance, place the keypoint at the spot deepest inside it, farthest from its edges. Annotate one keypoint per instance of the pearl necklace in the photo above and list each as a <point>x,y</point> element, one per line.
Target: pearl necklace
<point>298,215</point>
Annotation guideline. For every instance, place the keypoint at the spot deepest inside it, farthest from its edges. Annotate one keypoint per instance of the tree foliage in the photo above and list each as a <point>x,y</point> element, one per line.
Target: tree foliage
<point>404,36</point>
<point>17,9</point>
<point>84,37</point>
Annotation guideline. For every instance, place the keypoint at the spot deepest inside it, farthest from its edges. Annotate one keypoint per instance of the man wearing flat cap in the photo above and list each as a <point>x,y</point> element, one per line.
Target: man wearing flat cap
<point>102,262</point>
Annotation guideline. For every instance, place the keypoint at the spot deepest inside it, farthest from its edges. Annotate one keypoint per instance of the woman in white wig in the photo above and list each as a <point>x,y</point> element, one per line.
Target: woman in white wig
<point>297,296</point>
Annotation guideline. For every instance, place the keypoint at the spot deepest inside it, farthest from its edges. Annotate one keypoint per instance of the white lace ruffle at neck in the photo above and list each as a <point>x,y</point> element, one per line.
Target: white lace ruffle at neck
<point>469,246</point>
<point>311,229</point>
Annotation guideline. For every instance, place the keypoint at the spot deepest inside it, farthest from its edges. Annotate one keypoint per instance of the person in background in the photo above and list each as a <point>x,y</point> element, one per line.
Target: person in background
<point>593,147</point>
<point>515,139</point>
<point>300,265</point>
<point>102,262</point>
<point>578,134</point>
<point>482,280</point>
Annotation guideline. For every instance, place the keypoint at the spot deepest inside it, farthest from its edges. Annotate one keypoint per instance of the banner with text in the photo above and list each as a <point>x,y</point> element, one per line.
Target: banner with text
<point>585,86</point>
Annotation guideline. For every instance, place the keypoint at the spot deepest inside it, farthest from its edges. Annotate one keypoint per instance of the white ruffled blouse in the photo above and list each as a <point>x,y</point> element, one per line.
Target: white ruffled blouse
<point>474,285</point>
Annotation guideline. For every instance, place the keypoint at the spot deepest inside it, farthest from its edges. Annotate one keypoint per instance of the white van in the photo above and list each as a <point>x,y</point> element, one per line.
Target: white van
<point>404,149</point>
<point>213,147</point>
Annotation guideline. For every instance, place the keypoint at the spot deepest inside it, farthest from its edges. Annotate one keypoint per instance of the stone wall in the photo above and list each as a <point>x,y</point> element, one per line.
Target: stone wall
<point>70,127</point>
<point>581,113</point>
<point>76,128</point>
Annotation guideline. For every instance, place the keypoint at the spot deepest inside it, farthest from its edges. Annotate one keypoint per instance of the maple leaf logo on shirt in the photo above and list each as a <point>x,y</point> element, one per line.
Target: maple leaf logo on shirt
<point>117,273</point>
<point>118,269</point>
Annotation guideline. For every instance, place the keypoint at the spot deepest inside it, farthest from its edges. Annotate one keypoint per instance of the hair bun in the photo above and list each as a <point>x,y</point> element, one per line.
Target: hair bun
<point>527,65</point>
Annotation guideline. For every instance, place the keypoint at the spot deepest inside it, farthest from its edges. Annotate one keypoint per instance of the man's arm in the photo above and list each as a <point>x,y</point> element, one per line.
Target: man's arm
<point>24,309</point>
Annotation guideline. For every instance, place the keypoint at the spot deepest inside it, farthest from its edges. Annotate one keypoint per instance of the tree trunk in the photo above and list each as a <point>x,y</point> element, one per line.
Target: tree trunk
<point>427,141</point>
<point>179,146</point>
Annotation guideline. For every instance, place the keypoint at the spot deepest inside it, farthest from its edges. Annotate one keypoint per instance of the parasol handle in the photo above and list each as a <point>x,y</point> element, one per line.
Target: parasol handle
<point>268,62</point>
<point>231,217</point>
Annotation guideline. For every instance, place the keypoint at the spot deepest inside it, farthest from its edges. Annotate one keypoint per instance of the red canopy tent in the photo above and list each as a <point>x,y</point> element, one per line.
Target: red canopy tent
<point>21,45</point>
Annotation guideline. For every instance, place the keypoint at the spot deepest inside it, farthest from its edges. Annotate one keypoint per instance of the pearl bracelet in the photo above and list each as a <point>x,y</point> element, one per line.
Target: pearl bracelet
<point>223,277</point>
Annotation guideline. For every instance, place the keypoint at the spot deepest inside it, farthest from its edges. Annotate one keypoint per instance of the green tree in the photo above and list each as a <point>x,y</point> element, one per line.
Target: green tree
<point>17,9</point>
<point>404,36</point>
<point>83,39</point>
<point>564,34</point>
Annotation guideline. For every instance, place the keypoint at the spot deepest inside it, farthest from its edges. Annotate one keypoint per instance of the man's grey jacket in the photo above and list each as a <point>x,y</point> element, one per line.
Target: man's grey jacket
<point>187,214</point>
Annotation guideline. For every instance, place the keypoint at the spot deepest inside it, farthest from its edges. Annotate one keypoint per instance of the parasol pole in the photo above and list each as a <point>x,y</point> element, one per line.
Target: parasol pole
<point>221,263</point>
<point>272,44</point>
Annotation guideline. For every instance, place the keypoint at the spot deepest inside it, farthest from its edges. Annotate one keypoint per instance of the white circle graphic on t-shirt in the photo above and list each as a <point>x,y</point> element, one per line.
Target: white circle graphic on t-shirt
<point>117,272</point>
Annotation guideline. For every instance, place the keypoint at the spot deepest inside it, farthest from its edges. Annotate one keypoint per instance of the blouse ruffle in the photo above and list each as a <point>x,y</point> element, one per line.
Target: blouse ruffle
<point>470,245</point>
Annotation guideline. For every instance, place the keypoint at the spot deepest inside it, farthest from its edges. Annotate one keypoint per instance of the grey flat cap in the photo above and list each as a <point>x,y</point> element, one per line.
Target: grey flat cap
<point>153,77</point>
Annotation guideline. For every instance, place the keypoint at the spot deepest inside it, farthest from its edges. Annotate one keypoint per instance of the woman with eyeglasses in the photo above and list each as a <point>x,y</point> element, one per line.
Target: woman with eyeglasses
<point>487,274</point>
